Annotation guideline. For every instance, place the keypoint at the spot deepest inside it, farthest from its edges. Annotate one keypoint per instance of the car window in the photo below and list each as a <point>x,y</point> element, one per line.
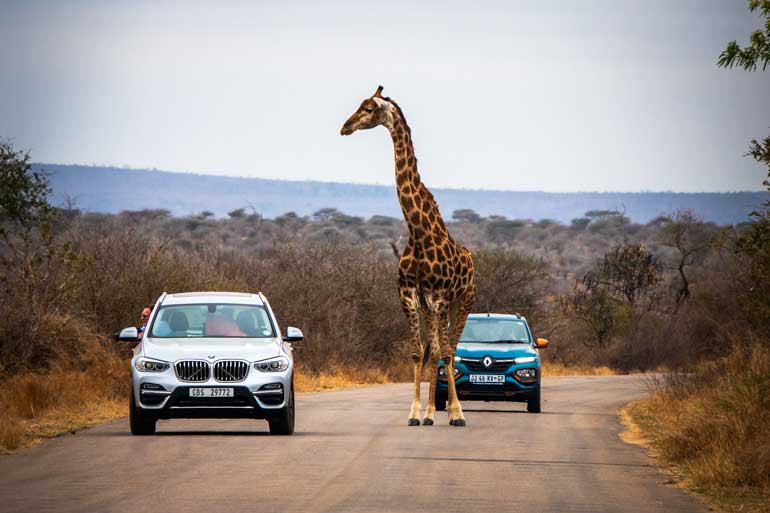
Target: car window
<point>212,320</point>
<point>495,330</point>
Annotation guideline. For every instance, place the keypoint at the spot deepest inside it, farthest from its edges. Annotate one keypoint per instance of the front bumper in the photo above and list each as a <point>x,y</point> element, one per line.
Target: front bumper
<point>250,398</point>
<point>510,390</point>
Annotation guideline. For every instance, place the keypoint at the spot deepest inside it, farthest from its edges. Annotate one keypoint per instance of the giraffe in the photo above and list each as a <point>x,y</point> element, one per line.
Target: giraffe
<point>435,273</point>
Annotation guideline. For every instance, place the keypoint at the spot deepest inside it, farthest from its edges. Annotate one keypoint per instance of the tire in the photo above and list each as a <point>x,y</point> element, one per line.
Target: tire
<point>283,423</point>
<point>533,405</point>
<point>440,402</point>
<point>141,424</point>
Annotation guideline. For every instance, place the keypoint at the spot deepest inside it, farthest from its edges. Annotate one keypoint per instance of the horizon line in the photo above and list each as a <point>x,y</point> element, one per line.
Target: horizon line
<point>333,182</point>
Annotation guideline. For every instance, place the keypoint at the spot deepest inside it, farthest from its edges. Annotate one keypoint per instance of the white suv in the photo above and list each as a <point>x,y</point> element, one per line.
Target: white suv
<point>212,355</point>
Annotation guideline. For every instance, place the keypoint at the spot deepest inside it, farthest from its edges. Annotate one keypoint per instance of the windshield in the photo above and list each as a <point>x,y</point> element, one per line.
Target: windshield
<point>495,330</point>
<point>212,320</point>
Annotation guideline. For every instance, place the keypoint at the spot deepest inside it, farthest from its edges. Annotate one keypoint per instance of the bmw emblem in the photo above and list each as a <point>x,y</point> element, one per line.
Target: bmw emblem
<point>212,356</point>
<point>487,361</point>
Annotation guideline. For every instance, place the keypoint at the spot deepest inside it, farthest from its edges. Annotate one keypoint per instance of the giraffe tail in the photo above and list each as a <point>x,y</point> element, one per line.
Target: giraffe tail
<point>425,356</point>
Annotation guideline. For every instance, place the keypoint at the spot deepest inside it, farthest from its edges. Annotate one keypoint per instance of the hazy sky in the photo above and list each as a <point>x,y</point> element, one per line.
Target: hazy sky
<point>557,96</point>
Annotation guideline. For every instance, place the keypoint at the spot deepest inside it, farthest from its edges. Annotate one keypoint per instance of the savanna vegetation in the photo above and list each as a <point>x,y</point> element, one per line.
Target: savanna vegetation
<point>710,423</point>
<point>614,295</point>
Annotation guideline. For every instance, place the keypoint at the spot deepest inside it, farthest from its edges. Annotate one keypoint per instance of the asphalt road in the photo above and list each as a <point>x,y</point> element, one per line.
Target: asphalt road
<point>353,452</point>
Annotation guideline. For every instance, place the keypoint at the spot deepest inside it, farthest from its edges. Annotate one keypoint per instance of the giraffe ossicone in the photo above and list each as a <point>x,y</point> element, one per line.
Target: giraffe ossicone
<point>435,273</point>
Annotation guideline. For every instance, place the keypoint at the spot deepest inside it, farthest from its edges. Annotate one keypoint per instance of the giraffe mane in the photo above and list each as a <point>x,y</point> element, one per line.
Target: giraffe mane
<point>400,113</point>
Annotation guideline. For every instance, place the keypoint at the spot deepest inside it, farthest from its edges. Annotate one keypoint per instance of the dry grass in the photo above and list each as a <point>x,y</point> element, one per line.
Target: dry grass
<point>71,395</point>
<point>340,377</point>
<point>559,369</point>
<point>712,429</point>
<point>36,406</point>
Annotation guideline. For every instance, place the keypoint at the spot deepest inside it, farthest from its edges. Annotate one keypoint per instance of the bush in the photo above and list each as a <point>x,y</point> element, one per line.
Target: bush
<point>714,424</point>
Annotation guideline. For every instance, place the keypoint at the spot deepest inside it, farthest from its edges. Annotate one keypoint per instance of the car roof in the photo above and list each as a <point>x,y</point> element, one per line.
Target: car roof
<point>190,298</point>
<point>496,316</point>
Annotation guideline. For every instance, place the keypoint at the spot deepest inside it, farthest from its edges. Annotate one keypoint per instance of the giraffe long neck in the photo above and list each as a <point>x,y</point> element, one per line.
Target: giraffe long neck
<point>417,203</point>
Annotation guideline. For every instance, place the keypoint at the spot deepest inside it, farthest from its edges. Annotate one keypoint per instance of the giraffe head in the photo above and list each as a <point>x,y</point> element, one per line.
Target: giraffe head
<point>372,112</point>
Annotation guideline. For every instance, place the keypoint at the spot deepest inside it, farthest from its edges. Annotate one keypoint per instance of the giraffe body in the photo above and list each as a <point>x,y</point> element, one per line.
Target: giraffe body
<point>435,273</point>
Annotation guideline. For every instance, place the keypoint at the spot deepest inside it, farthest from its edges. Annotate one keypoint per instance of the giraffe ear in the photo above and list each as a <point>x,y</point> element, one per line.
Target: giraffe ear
<point>378,92</point>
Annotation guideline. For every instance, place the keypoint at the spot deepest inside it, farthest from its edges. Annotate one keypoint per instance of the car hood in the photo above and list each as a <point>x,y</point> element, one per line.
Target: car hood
<point>249,349</point>
<point>480,349</point>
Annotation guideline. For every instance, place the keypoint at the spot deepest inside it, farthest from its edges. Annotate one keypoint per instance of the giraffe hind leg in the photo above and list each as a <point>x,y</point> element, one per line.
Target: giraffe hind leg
<point>433,356</point>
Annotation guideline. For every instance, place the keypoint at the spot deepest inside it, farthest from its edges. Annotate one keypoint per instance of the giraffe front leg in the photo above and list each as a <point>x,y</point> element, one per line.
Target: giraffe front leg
<point>430,410</point>
<point>458,316</point>
<point>410,305</point>
<point>455,411</point>
<point>414,412</point>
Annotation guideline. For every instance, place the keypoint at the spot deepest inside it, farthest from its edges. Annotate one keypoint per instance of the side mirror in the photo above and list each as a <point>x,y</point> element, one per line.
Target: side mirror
<point>541,343</point>
<point>128,335</point>
<point>293,335</point>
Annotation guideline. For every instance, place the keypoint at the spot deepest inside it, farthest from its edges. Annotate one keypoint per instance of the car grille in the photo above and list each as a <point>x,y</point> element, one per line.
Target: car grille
<point>230,370</point>
<point>497,366</point>
<point>192,371</point>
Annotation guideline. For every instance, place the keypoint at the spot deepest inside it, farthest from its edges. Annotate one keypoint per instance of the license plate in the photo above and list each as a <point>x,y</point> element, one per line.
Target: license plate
<point>211,392</point>
<point>488,379</point>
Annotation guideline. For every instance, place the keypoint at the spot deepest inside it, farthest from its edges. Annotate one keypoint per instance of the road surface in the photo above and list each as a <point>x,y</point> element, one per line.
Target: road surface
<point>353,452</point>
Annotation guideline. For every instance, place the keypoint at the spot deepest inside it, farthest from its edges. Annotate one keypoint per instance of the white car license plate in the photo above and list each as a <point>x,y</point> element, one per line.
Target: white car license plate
<point>488,379</point>
<point>211,392</point>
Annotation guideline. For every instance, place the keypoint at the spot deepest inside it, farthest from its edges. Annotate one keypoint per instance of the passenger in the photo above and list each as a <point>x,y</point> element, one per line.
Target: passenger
<point>143,321</point>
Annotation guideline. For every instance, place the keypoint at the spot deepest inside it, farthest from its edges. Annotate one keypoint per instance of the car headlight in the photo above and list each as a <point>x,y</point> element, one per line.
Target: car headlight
<point>525,359</point>
<point>272,364</point>
<point>442,372</point>
<point>526,375</point>
<point>150,365</point>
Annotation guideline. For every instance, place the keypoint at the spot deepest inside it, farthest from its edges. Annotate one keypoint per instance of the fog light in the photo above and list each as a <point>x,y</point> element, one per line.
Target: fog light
<point>151,386</point>
<point>271,386</point>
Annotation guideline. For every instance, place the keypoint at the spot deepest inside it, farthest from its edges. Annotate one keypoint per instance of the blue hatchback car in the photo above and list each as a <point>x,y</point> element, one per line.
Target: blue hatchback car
<point>497,360</point>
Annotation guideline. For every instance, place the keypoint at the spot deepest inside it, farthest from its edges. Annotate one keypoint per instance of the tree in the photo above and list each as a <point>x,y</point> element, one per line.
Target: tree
<point>591,306</point>
<point>755,245</point>
<point>23,192</point>
<point>580,223</point>
<point>628,272</point>
<point>325,214</point>
<point>36,272</point>
<point>757,52</point>
<point>237,213</point>
<point>508,281</point>
<point>504,230</point>
<point>466,214</point>
<point>689,236</point>
<point>622,283</point>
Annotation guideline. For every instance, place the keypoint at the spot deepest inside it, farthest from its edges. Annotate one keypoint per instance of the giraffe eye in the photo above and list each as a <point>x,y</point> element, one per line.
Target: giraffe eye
<point>368,109</point>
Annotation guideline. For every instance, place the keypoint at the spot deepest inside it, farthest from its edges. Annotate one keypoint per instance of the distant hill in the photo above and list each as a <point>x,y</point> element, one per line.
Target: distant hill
<point>111,190</point>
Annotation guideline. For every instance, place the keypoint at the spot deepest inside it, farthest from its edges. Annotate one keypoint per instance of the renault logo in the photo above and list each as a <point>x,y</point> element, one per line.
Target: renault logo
<point>487,361</point>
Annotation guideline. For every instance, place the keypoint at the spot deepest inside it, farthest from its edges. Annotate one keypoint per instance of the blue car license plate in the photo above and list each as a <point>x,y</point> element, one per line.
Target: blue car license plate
<point>487,379</point>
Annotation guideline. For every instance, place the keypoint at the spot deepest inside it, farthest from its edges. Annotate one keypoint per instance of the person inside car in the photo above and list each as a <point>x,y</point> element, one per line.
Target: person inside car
<point>143,321</point>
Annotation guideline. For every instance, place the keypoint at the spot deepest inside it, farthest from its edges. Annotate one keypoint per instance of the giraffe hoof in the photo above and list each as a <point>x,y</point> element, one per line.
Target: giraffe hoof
<point>457,422</point>
<point>427,422</point>
<point>414,422</point>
